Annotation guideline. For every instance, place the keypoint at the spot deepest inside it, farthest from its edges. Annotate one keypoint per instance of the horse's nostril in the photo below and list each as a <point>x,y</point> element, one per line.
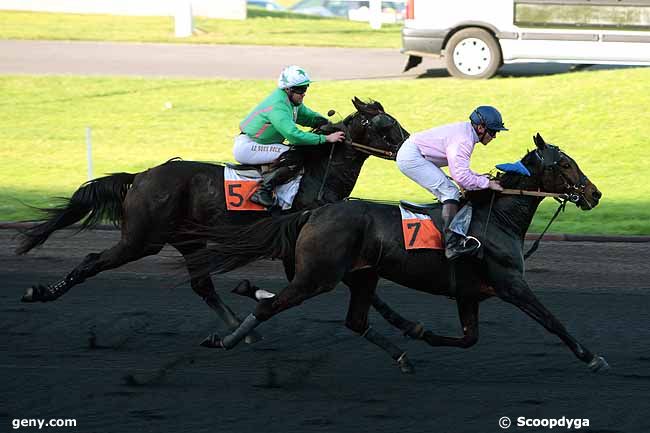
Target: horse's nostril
<point>597,194</point>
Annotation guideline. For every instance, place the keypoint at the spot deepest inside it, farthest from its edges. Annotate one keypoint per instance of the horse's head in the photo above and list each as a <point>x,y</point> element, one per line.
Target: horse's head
<point>378,133</point>
<point>559,173</point>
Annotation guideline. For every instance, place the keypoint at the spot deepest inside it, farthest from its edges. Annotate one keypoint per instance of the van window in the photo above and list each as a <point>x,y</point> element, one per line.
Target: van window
<point>604,14</point>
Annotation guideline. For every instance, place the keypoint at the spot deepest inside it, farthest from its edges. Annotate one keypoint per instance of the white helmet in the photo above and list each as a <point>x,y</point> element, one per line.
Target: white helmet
<point>293,76</point>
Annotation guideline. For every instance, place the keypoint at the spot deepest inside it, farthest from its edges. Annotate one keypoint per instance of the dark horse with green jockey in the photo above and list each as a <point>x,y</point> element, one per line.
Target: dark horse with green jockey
<point>358,242</point>
<point>152,206</point>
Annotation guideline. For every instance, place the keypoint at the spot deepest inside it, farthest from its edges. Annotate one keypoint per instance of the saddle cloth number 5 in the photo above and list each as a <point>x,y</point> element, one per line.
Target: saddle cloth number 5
<point>238,194</point>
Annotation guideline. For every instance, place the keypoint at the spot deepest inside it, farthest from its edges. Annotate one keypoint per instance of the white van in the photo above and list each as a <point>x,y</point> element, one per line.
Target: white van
<point>354,10</point>
<point>476,37</point>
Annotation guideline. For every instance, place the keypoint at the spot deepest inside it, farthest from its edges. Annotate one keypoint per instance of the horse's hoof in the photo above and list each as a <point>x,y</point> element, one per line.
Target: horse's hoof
<point>405,365</point>
<point>213,341</point>
<point>29,296</point>
<point>416,332</point>
<point>598,363</point>
<point>253,338</point>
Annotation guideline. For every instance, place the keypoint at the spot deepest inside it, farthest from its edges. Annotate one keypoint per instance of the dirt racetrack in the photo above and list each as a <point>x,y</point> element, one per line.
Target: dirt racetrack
<point>120,353</point>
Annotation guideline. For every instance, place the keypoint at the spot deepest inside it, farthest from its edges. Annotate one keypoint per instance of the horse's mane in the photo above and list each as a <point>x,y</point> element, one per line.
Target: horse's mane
<point>508,180</point>
<point>374,105</point>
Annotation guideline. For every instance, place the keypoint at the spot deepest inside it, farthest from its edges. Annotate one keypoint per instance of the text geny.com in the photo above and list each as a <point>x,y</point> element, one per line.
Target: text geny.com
<point>40,423</point>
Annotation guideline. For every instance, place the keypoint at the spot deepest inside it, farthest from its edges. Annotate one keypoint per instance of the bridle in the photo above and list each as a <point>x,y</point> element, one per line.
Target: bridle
<point>369,150</point>
<point>574,192</point>
<point>373,151</point>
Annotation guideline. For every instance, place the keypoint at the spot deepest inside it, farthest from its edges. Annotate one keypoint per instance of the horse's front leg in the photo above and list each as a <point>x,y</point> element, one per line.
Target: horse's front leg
<point>468,314</point>
<point>517,292</point>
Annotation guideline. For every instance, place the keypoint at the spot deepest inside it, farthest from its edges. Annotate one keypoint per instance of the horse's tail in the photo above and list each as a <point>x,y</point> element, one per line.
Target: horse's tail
<point>96,200</point>
<point>232,247</point>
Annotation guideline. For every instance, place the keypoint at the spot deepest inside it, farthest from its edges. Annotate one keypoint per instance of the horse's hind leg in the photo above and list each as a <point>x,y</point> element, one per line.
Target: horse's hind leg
<point>123,252</point>
<point>298,291</point>
<point>468,313</point>
<point>362,277</point>
<point>410,329</point>
<point>203,286</point>
<point>362,288</point>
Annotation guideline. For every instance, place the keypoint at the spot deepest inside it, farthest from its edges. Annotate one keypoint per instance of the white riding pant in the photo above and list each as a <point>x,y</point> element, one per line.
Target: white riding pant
<point>425,173</point>
<point>247,151</point>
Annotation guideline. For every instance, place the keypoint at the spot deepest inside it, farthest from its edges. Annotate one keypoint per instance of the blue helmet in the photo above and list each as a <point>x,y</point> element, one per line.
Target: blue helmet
<point>488,116</point>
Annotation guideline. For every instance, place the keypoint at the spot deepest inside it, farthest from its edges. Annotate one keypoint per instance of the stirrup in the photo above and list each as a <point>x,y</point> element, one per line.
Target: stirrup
<point>468,245</point>
<point>467,238</point>
<point>262,199</point>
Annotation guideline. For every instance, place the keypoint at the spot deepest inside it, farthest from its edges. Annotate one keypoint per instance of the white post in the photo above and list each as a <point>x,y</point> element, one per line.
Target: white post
<point>375,14</point>
<point>89,152</point>
<point>183,21</point>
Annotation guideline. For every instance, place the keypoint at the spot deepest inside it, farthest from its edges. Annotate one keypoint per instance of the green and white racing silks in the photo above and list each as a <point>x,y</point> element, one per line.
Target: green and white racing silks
<point>274,121</point>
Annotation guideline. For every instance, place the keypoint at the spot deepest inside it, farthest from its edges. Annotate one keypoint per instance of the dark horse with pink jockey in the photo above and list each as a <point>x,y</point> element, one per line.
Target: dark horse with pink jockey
<point>357,242</point>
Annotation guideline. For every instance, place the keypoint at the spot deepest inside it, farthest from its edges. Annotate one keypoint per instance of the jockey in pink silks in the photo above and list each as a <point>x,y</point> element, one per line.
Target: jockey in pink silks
<point>423,153</point>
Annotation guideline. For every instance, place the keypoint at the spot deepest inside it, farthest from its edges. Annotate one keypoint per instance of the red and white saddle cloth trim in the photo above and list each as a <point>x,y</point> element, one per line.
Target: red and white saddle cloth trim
<point>240,185</point>
<point>420,232</point>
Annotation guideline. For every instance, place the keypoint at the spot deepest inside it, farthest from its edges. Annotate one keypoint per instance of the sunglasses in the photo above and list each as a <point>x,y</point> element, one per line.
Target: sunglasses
<point>492,132</point>
<point>301,90</point>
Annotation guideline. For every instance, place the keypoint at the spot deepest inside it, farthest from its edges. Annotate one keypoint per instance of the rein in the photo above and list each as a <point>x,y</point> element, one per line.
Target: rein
<point>539,239</point>
<point>535,193</point>
<point>385,154</point>
<point>561,198</point>
<point>327,169</point>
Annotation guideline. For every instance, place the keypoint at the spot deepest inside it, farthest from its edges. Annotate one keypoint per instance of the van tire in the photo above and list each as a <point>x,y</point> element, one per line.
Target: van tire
<point>473,53</point>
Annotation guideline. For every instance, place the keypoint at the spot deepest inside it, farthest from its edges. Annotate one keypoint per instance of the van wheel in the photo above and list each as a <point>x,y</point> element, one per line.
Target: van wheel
<point>473,53</point>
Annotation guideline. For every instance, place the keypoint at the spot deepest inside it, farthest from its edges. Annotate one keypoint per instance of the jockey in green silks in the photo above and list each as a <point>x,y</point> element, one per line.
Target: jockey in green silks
<point>270,130</point>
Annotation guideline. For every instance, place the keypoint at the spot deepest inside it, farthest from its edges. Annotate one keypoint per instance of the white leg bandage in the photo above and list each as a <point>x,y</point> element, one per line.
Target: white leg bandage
<point>263,294</point>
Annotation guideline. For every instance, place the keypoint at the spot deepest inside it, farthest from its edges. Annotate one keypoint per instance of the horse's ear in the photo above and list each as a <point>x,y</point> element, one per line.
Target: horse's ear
<point>380,107</point>
<point>539,141</point>
<point>358,104</point>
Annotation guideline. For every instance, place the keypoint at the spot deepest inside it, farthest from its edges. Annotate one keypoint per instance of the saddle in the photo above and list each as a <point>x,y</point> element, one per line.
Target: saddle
<point>260,168</point>
<point>430,209</point>
<point>463,282</point>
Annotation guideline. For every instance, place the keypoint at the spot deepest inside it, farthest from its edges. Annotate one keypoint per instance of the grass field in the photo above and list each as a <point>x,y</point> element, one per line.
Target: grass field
<point>261,28</point>
<point>595,116</point>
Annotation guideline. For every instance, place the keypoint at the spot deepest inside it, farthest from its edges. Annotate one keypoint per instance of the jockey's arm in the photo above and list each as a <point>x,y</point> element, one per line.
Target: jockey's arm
<point>282,121</point>
<point>310,118</point>
<point>458,158</point>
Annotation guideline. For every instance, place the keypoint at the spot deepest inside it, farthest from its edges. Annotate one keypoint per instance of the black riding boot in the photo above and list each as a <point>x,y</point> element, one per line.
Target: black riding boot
<point>456,244</point>
<point>449,211</point>
<point>281,171</point>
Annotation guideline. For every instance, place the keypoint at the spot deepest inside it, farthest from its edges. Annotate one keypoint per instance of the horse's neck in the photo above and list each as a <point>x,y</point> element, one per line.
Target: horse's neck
<point>517,211</point>
<point>344,171</point>
<point>339,178</point>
